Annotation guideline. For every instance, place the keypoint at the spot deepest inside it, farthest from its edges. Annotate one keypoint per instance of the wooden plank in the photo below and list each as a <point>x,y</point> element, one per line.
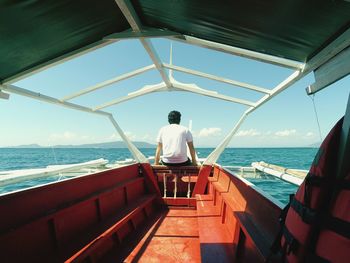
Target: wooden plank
<point>330,72</point>
<point>215,242</point>
<point>202,180</point>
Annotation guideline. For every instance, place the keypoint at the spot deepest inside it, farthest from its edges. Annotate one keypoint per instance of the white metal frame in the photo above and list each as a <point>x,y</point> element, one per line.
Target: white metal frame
<point>169,83</point>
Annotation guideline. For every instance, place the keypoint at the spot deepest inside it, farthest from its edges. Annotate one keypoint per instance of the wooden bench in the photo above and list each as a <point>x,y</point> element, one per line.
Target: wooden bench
<point>251,241</point>
<point>118,228</point>
<point>215,242</point>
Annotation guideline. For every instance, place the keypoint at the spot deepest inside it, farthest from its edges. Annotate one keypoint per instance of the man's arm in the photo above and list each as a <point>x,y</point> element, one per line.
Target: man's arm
<point>192,152</point>
<point>157,156</point>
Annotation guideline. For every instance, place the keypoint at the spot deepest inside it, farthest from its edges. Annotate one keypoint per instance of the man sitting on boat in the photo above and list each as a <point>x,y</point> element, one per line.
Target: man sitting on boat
<point>172,141</point>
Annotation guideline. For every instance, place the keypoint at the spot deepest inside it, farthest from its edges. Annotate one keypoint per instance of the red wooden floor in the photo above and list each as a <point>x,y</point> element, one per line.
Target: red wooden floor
<point>172,238</point>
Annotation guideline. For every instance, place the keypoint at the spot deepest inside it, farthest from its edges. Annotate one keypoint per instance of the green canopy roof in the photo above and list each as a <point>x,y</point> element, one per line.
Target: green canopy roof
<point>33,33</point>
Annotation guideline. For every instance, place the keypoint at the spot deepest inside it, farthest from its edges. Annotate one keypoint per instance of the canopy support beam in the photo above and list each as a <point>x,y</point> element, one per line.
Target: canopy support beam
<point>139,157</point>
<point>330,72</point>
<point>4,95</point>
<point>217,78</point>
<point>195,89</point>
<point>214,155</point>
<point>57,61</point>
<point>240,52</point>
<point>109,82</point>
<point>146,32</point>
<point>131,16</point>
<point>143,91</point>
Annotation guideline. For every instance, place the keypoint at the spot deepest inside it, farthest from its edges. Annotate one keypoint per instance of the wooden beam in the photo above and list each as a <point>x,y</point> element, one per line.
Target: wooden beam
<point>195,89</point>
<point>131,16</point>
<point>59,60</point>
<point>330,72</point>
<point>48,99</point>
<point>144,33</point>
<point>217,78</point>
<point>108,82</point>
<point>143,91</point>
<point>240,52</point>
<point>4,95</point>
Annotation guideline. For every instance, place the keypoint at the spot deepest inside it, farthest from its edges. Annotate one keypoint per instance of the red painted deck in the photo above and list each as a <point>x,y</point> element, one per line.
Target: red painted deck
<point>120,216</point>
<point>173,238</point>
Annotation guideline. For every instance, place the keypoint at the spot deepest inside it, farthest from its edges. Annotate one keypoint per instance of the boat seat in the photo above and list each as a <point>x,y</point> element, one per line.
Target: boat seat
<point>116,230</point>
<point>215,176</point>
<point>222,184</point>
<point>216,244</point>
<point>251,233</point>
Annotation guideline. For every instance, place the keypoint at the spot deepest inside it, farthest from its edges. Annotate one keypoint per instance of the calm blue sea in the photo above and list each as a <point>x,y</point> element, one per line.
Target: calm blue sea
<point>298,158</point>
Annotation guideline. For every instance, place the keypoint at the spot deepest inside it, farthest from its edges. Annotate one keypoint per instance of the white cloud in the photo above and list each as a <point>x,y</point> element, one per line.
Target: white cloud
<point>67,135</point>
<point>285,133</point>
<point>130,135</point>
<point>247,133</point>
<point>310,134</point>
<point>206,132</point>
<point>114,136</point>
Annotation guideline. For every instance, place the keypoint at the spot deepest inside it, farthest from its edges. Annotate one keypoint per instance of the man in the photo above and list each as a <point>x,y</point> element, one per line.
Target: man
<point>172,141</point>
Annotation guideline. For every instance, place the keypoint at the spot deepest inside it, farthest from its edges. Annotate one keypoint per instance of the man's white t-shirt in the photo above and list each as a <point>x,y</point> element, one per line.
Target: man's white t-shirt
<point>174,138</point>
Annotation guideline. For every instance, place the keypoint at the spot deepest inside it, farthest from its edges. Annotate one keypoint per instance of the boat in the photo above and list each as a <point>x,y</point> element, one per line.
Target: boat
<point>141,212</point>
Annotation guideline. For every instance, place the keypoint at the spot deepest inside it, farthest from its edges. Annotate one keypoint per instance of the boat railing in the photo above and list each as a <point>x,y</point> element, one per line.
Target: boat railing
<point>176,181</point>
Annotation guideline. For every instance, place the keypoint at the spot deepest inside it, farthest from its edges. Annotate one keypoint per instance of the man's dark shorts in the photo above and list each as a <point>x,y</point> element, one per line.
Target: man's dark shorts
<point>188,162</point>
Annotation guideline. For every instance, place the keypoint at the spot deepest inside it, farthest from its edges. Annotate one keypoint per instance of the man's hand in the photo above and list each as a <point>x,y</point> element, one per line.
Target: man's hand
<point>157,156</point>
<point>193,153</point>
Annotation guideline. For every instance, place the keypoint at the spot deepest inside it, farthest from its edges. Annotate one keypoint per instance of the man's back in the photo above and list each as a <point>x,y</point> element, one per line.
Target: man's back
<point>174,138</point>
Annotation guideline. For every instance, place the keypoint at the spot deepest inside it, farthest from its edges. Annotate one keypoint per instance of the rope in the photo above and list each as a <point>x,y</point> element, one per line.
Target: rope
<point>56,162</point>
<point>312,97</point>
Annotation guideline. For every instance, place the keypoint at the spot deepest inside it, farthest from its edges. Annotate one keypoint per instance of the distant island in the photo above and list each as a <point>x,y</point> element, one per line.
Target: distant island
<point>103,145</point>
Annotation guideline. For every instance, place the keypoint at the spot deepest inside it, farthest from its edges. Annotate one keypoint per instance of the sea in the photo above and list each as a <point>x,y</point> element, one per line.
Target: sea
<point>26,158</point>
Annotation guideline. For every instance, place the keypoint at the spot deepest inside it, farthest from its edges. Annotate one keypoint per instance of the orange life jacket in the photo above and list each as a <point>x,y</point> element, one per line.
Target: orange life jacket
<point>316,223</point>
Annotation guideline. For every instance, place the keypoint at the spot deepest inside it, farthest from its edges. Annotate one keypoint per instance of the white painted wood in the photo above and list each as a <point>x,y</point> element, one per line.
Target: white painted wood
<point>131,16</point>
<point>331,71</point>
<point>16,176</point>
<point>109,82</point>
<point>4,95</point>
<point>195,89</point>
<point>215,154</point>
<point>138,156</point>
<point>57,61</point>
<point>170,60</point>
<point>156,60</point>
<point>294,77</point>
<point>240,52</point>
<point>281,175</point>
<point>42,97</point>
<point>339,44</point>
<point>217,78</point>
<point>144,33</point>
<point>143,91</point>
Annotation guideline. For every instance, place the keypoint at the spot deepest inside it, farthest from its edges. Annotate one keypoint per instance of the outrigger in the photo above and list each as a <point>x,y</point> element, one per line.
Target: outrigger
<point>148,213</point>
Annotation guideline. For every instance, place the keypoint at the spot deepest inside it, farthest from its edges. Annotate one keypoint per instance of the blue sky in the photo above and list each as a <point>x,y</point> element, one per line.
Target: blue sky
<point>287,120</point>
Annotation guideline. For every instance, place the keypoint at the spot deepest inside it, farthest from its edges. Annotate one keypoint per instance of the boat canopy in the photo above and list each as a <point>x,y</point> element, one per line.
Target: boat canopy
<point>304,36</point>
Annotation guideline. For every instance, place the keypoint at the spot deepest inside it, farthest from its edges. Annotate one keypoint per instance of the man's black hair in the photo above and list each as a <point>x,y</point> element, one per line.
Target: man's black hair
<point>174,117</point>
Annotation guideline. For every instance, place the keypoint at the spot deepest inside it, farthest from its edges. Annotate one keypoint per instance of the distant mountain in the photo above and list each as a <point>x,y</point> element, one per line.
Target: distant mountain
<point>103,145</point>
<point>26,146</point>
